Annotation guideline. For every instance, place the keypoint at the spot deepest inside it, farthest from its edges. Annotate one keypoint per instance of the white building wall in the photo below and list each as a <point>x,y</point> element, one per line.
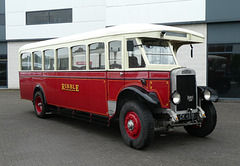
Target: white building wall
<point>13,64</point>
<point>199,60</point>
<point>154,11</point>
<point>87,15</point>
<point>163,12</point>
<point>94,14</point>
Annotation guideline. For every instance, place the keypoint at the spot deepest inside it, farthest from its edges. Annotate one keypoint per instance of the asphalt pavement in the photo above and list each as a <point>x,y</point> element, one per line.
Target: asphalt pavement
<point>26,140</point>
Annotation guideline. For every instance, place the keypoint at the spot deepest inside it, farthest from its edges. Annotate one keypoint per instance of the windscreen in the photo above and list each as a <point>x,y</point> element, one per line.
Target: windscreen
<point>158,51</point>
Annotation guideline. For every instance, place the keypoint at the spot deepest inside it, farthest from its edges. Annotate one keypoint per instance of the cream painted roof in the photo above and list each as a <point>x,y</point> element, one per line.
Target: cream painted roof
<point>116,30</point>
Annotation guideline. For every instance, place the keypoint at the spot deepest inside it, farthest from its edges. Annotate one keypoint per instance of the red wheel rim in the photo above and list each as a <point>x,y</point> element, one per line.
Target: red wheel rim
<point>132,125</point>
<point>38,104</point>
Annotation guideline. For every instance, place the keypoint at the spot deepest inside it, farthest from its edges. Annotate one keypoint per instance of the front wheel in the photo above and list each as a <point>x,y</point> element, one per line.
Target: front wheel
<point>136,125</point>
<point>208,124</point>
<point>39,105</point>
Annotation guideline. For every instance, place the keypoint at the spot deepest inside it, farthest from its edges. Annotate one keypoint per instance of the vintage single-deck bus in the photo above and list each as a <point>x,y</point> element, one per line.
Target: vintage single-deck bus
<point>128,72</point>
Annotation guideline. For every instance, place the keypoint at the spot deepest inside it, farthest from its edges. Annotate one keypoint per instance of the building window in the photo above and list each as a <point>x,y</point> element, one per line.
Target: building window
<point>97,56</point>
<point>49,16</point>
<point>60,16</point>
<point>49,60</point>
<point>224,69</point>
<point>62,59</point>
<point>79,58</point>
<point>115,55</point>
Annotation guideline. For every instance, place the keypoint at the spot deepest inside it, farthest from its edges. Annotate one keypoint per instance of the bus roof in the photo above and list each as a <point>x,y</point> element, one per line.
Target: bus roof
<point>117,30</point>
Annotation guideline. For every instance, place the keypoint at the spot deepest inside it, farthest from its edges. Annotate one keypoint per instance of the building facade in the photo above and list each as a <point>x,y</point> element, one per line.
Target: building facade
<point>216,61</point>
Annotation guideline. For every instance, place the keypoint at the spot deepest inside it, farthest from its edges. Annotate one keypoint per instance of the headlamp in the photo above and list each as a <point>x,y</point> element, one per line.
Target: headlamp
<point>207,94</point>
<point>176,98</point>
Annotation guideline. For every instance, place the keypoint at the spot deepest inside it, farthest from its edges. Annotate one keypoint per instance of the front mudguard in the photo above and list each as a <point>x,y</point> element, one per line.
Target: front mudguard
<point>201,89</point>
<point>134,92</point>
<point>142,95</point>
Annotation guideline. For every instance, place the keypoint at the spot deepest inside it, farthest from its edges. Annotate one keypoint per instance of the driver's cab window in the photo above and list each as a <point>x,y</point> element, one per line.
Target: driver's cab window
<point>135,59</point>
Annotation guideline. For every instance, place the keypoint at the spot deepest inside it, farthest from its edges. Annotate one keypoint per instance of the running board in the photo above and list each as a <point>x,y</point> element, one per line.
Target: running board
<point>89,117</point>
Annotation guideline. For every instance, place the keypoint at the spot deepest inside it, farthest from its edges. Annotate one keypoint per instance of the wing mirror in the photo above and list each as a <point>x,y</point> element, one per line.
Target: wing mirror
<point>130,45</point>
<point>191,51</point>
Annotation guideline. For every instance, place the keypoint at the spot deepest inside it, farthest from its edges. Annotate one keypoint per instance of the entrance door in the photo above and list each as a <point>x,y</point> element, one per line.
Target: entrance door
<point>115,74</point>
<point>3,65</point>
<point>3,72</point>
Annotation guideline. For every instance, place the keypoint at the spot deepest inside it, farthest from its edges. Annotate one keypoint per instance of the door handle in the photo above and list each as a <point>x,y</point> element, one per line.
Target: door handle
<point>121,74</point>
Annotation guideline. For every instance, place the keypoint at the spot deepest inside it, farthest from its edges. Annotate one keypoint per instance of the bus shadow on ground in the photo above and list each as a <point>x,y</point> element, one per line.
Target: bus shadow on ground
<point>162,140</point>
<point>112,130</point>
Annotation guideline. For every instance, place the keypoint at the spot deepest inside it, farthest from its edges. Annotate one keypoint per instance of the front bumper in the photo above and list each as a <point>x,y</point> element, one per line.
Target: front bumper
<point>180,118</point>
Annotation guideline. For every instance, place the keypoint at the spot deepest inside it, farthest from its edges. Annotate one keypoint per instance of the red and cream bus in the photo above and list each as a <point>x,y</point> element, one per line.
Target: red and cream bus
<point>128,72</point>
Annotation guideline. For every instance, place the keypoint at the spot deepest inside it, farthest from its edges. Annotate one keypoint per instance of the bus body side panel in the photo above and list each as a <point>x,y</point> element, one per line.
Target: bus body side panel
<point>97,92</point>
<point>84,91</point>
<point>157,82</point>
<point>134,78</point>
<point>115,84</point>
<point>25,83</point>
<point>48,83</point>
<point>61,89</point>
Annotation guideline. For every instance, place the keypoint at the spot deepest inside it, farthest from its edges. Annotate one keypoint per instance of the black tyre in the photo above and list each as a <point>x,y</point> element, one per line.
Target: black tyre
<point>136,125</point>
<point>208,124</point>
<point>39,105</point>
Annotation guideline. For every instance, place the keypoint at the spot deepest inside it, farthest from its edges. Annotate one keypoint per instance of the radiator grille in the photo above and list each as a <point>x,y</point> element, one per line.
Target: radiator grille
<point>186,86</point>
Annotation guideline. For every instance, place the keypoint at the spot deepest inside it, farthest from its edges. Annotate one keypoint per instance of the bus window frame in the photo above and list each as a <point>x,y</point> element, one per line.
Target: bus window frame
<point>101,40</point>
<point>57,55</point>
<point>122,40</point>
<point>71,56</point>
<point>54,59</point>
<point>26,52</point>
<point>34,59</point>
<point>172,51</point>
<point>138,40</point>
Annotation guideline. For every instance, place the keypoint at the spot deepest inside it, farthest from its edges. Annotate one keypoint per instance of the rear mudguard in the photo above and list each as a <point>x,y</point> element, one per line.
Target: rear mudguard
<point>37,88</point>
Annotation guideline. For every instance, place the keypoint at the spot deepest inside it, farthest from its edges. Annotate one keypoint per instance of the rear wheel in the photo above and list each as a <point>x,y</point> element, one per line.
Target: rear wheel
<point>39,104</point>
<point>136,125</point>
<point>208,124</point>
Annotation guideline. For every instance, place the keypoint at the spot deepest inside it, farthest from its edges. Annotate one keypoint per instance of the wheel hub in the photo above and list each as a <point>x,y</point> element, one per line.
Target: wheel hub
<point>130,125</point>
<point>38,104</point>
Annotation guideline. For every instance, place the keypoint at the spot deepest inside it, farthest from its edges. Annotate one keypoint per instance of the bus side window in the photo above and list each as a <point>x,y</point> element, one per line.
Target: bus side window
<point>97,56</point>
<point>37,60</point>
<point>62,59</point>
<point>115,55</point>
<point>135,58</point>
<point>26,61</point>
<point>79,57</point>
<point>49,60</point>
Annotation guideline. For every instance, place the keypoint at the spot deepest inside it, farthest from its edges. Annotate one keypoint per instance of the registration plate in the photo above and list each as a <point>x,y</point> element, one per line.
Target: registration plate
<point>187,116</point>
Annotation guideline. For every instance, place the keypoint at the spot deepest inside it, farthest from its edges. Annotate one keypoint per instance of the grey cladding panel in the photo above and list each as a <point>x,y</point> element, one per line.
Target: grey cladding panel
<point>3,47</point>
<point>222,10</point>
<point>224,33</point>
<point>2,6</point>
